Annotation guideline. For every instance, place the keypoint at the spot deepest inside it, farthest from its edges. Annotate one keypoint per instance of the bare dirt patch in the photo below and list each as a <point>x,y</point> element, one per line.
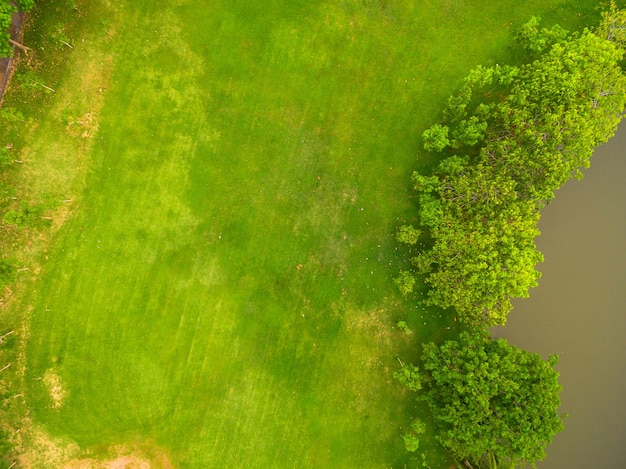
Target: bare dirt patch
<point>122,462</point>
<point>42,451</point>
<point>55,387</point>
<point>125,457</point>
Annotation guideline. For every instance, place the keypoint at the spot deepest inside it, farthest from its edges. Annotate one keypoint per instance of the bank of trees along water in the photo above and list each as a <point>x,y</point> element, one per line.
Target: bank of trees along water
<point>494,405</point>
<point>508,140</point>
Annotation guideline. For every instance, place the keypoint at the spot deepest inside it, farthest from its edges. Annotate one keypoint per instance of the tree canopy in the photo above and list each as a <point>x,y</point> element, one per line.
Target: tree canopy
<point>509,139</point>
<point>494,404</point>
<point>7,8</point>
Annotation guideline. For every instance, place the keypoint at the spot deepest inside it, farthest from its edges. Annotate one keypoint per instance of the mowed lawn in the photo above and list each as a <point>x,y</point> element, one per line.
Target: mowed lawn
<point>223,290</point>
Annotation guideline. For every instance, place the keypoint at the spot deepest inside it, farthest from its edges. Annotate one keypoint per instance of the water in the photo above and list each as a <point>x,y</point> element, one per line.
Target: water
<point>579,311</point>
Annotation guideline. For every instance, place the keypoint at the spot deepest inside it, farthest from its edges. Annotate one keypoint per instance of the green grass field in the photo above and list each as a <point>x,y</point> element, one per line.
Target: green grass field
<point>221,293</point>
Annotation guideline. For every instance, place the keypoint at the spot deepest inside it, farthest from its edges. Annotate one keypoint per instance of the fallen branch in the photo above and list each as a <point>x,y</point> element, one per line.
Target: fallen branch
<point>5,336</point>
<point>46,87</point>
<point>20,46</point>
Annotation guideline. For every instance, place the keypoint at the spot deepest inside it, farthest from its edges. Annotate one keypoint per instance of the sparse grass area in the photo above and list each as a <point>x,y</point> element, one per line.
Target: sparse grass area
<point>221,290</point>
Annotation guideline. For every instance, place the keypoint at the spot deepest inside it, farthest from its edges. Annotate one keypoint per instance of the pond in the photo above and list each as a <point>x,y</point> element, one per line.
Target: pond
<point>578,311</point>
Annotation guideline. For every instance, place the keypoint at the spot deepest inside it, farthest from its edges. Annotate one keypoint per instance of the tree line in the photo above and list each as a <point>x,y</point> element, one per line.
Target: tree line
<point>507,141</point>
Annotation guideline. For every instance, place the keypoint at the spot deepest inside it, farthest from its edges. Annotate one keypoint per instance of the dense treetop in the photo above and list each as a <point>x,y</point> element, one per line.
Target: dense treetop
<point>508,140</point>
<point>494,404</point>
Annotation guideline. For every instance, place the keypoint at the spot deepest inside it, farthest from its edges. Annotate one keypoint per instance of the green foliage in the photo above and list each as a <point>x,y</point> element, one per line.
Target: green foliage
<point>7,8</point>
<point>409,376</point>
<point>142,253</point>
<point>6,448</point>
<point>408,234</point>
<point>11,115</point>
<point>411,439</point>
<point>491,400</point>
<point>425,184</point>
<point>5,158</point>
<point>6,11</point>
<point>613,25</point>
<point>7,194</point>
<point>60,37</point>
<point>436,138</point>
<point>451,166</point>
<point>532,132</point>
<point>469,132</point>
<point>558,111</point>
<point>403,326</point>
<point>484,251</point>
<point>8,272</point>
<point>29,81</point>
<point>535,40</point>
<point>405,282</point>
<point>27,215</point>
<point>25,5</point>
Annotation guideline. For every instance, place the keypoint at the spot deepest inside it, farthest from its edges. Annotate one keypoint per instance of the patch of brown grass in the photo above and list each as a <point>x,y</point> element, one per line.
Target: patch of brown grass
<point>55,387</point>
<point>125,457</point>
<point>41,451</point>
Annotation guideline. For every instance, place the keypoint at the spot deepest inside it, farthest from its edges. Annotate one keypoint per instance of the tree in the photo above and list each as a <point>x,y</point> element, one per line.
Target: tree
<point>483,252</point>
<point>535,40</point>
<point>436,138</point>
<point>6,15</point>
<point>613,26</point>
<point>405,282</point>
<point>494,404</point>
<point>411,438</point>
<point>7,8</point>
<point>534,128</point>
<point>469,132</point>
<point>560,108</point>
<point>408,234</point>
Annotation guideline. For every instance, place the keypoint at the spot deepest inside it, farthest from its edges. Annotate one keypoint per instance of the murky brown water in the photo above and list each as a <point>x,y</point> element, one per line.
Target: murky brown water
<point>579,311</point>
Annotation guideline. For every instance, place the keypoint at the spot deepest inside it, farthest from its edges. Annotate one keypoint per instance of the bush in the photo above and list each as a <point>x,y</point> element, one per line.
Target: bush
<point>26,216</point>
<point>8,272</point>
<point>436,138</point>
<point>405,282</point>
<point>408,234</point>
<point>411,439</point>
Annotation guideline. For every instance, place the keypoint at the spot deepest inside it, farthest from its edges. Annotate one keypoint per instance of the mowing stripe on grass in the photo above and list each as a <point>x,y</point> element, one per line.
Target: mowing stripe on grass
<point>224,291</point>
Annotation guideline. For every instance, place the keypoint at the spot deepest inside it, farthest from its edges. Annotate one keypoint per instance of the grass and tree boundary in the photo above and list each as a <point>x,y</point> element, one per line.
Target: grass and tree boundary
<point>509,139</point>
<point>205,254</point>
